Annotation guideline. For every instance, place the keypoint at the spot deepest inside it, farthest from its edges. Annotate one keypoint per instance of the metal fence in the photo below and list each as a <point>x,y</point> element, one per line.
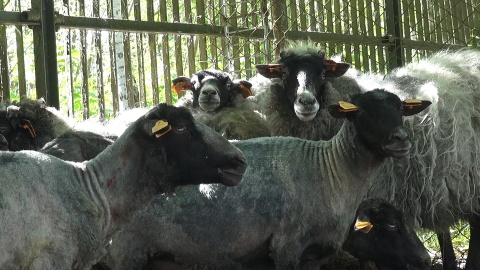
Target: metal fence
<point>94,58</point>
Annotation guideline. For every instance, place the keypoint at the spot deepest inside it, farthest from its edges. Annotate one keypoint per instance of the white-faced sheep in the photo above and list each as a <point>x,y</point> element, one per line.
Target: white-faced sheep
<point>61,215</point>
<point>222,103</point>
<point>303,83</point>
<point>438,184</point>
<point>381,234</point>
<point>294,205</point>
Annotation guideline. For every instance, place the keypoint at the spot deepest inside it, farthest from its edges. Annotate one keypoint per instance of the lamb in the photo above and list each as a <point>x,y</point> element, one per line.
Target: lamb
<point>303,83</point>
<point>439,183</point>
<point>381,234</point>
<point>61,215</point>
<point>222,103</point>
<point>295,202</point>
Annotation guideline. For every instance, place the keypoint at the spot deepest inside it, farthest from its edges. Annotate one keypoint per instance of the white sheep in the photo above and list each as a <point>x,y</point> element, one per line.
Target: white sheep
<point>438,184</point>
<point>61,215</point>
<point>294,205</point>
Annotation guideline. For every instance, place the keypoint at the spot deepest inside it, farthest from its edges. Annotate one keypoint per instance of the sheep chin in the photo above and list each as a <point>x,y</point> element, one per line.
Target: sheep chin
<point>398,150</point>
<point>209,106</point>
<point>229,177</point>
<point>305,116</point>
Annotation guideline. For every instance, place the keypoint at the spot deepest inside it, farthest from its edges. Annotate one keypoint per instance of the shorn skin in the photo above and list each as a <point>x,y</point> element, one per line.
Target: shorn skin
<point>61,215</point>
<point>292,209</point>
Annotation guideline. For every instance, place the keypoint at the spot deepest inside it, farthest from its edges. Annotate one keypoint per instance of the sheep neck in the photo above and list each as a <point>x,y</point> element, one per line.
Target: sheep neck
<point>120,179</point>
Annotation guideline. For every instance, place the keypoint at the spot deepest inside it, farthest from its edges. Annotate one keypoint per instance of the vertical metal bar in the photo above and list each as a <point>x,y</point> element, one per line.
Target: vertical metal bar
<point>39,54</point>
<point>152,45</point>
<point>4,78</point>
<point>202,40</point>
<point>50,47</point>
<point>395,55</point>
<point>99,64</point>
<point>22,84</point>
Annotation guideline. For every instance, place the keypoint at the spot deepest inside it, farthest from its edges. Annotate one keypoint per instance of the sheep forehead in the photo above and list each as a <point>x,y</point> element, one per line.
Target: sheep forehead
<point>302,82</point>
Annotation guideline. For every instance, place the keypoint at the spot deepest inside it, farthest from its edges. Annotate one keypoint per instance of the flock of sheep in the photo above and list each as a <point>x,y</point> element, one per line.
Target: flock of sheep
<point>282,171</point>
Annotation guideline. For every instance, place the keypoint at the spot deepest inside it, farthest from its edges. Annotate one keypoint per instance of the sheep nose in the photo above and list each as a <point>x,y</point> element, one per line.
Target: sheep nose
<point>399,134</point>
<point>209,92</point>
<point>307,99</point>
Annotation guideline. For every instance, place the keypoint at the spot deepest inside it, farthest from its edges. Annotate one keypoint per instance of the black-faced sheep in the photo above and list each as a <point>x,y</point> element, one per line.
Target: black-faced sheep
<point>297,197</point>
<point>303,83</point>
<point>31,125</point>
<point>222,103</point>
<point>61,215</point>
<point>439,182</point>
<point>381,234</point>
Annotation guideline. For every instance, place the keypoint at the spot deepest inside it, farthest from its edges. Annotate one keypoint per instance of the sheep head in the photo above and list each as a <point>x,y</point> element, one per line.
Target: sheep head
<point>390,242</point>
<point>212,89</point>
<point>377,118</point>
<point>303,74</point>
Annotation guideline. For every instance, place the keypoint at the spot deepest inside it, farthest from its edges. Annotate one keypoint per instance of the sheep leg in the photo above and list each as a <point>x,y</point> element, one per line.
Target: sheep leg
<point>473,259</point>
<point>448,254</point>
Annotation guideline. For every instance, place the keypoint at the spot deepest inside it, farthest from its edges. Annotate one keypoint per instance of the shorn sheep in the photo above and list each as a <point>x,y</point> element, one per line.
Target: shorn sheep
<point>381,234</point>
<point>222,103</point>
<point>303,83</point>
<point>438,184</point>
<point>61,215</point>
<point>294,205</point>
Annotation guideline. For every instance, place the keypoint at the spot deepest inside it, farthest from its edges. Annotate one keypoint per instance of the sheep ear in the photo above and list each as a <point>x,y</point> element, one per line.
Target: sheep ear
<point>244,87</point>
<point>26,124</point>
<point>270,71</point>
<point>363,225</point>
<point>157,127</point>
<point>334,69</point>
<point>182,83</point>
<point>342,109</point>
<point>414,106</point>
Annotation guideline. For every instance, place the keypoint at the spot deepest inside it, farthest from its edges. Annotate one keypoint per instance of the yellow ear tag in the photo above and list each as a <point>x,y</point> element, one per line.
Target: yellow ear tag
<point>363,226</point>
<point>160,128</point>
<point>410,103</point>
<point>347,107</point>
<point>246,92</point>
<point>30,129</point>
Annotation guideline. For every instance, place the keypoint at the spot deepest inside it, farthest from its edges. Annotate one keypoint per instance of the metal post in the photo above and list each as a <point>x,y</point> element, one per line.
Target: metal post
<point>394,35</point>
<point>50,46</point>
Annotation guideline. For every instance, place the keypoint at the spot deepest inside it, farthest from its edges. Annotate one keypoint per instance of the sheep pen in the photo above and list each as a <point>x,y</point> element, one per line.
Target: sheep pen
<point>286,210</point>
<point>61,215</point>
<point>222,103</point>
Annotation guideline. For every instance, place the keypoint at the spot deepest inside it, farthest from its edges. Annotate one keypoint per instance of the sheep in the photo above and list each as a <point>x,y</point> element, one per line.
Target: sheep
<point>61,215</point>
<point>221,102</point>
<point>31,125</point>
<point>303,83</point>
<point>34,124</point>
<point>381,234</point>
<point>297,197</point>
<point>439,183</point>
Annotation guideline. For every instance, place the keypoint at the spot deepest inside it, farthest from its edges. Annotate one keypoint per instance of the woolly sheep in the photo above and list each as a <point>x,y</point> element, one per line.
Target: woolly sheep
<point>61,215</point>
<point>303,83</point>
<point>222,103</point>
<point>297,196</point>
<point>439,183</point>
<point>381,234</point>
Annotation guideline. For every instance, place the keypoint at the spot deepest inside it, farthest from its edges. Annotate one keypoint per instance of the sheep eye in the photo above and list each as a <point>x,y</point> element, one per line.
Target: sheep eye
<point>181,128</point>
<point>392,225</point>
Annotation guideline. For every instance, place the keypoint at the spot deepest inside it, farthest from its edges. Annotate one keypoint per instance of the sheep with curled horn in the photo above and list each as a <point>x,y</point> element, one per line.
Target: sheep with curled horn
<point>62,215</point>
<point>438,184</point>
<point>293,207</point>
<point>222,103</point>
<point>303,83</point>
